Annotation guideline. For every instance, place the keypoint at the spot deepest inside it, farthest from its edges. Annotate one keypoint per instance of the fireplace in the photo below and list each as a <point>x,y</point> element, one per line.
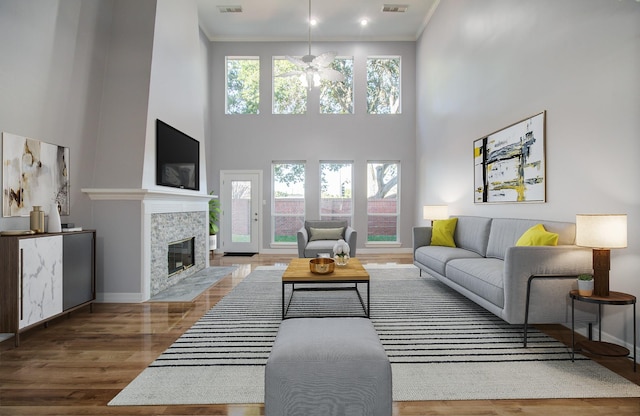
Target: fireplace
<point>167,228</point>
<point>180,255</point>
<point>136,269</point>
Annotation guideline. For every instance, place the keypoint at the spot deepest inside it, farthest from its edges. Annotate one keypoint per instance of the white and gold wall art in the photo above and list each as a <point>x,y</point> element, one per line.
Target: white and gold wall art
<point>33,173</point>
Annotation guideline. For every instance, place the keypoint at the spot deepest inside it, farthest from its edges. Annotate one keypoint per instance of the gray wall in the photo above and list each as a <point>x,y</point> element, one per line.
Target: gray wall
<point>94,75</point>
<point>252,142</point>
<point>485,65</point>
<point>51,79</point>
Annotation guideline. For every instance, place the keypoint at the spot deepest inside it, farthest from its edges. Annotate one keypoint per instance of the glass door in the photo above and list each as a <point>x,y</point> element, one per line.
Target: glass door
<point>241,217</point>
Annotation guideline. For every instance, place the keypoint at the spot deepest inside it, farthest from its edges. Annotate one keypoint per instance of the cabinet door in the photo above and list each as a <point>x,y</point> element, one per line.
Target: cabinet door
<point>77,262</point>
<point>40,274</point>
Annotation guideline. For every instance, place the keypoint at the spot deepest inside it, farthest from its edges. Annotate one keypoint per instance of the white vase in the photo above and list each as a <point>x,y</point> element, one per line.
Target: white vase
<point>55,226</point>
<point>213,242</point>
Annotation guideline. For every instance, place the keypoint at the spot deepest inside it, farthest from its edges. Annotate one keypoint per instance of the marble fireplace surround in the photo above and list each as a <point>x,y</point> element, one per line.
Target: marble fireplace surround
<point>166,216</point>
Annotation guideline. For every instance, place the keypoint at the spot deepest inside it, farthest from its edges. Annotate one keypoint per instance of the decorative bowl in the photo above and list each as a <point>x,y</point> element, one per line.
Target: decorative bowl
<point>322,265</point>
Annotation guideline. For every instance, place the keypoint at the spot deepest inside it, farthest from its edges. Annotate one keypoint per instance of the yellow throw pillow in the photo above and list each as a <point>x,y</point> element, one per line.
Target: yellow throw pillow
<point>537,236</point>
<point>442,232</point>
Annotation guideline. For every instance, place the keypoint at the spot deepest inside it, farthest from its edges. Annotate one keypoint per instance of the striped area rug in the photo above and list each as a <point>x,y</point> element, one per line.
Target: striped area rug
<point>441,345</point>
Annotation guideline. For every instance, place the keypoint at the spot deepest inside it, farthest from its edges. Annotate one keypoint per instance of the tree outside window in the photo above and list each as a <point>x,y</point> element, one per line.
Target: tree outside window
<point>337,97</point>
<point>289,95</point>
<point>336,196</point>
<point>243,85</point>
<point>383,85</point>
<point>382,201</point>
<point>288,201</point>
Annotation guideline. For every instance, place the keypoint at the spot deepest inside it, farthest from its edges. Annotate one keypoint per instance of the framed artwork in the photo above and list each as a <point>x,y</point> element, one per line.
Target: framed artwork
<point>509,165</point>
<point>33,173</point>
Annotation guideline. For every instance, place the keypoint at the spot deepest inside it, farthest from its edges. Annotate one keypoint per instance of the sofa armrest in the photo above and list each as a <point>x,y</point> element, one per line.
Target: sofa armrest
<point>351,237</point>
<point>421,237</point>
<point>303,238</point>
<point>523,262</point>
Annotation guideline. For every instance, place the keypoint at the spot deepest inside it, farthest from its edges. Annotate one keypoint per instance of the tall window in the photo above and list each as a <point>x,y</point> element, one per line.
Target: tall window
<point>383,85</point>
<point>287,200</point>
<point>243,85</point>
<point>336,196</point>
<point>383,182</point>
<point>289,95</point>
<point>337,97</point>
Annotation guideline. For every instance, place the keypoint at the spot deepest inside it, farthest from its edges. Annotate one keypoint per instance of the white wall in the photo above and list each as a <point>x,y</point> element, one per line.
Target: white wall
<point>485,65</point>
<point>177,84</point>
<point>252,142</point>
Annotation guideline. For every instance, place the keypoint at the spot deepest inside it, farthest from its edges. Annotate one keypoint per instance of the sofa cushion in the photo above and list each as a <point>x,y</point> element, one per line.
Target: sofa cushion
<point>484,277</point>
<point>442,233</point>
<point>326,233</point>
<point>472,233</point>
<point>437,257</point>
<point>537,236</point>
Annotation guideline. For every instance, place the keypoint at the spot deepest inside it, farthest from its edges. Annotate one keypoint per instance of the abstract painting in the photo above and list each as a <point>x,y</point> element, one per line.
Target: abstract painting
<point>33,173</point>
<point>509,165</point>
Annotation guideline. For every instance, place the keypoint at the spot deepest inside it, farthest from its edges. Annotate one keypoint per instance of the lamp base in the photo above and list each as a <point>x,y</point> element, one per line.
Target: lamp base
<point>601,266</point>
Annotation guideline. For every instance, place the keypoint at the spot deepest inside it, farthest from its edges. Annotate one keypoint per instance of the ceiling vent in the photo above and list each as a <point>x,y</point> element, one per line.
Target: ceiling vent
<point>230,9</point>
<point>395,8</point>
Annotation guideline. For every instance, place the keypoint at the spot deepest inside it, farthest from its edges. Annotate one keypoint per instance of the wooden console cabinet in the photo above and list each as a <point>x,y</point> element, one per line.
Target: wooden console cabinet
<point>43,276</point>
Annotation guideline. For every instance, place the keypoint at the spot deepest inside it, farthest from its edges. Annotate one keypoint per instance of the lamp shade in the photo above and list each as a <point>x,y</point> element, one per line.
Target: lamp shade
<point>435,212</point>
<point>601,230</point>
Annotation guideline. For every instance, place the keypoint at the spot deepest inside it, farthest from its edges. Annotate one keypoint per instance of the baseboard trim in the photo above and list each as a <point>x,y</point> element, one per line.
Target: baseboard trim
<point>119,298</point>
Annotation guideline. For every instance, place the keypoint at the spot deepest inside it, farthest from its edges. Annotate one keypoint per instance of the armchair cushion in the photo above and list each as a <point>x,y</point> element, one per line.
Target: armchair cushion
<point>326,233</point>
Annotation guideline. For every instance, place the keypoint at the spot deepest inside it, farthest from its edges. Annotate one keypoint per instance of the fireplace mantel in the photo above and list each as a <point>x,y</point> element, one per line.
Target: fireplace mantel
<point>134,194</point>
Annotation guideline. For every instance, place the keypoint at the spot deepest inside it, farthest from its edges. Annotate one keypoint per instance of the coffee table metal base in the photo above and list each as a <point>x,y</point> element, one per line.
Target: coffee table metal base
<point>325,287</point>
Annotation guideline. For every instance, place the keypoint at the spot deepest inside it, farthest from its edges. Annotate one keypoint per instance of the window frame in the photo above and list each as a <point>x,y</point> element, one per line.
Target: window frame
<point>226,82</point>
<point>275,215</point>
<point>323,83</point>
<point>399,58</point>
<point>398,212</point>
<point>349,217</point>
<point>274,75</point>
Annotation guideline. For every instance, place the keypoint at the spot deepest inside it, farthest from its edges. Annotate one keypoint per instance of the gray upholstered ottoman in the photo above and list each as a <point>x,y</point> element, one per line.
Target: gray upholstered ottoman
<point>327,366</point>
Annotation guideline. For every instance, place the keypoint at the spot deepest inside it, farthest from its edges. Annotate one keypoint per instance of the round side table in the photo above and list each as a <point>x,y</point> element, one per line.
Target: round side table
<point>599,347</point>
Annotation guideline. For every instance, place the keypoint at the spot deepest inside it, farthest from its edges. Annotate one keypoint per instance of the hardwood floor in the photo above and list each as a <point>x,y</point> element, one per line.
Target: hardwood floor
<point>78,363</point>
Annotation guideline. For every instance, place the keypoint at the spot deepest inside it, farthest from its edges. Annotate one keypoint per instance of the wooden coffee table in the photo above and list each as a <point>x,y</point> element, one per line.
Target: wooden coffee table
<point>298,273</point>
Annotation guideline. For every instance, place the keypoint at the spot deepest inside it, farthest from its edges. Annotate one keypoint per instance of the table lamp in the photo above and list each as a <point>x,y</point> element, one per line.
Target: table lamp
<point>601,232</point>
<point>435,212</point>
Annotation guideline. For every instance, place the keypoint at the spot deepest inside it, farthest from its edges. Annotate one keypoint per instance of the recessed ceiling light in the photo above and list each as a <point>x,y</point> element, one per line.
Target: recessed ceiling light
<point>364,22</point>
<point>313,22</point>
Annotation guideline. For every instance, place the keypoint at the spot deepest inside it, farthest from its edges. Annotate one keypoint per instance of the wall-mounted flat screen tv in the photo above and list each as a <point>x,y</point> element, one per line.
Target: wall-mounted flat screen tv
<point>177,158</point>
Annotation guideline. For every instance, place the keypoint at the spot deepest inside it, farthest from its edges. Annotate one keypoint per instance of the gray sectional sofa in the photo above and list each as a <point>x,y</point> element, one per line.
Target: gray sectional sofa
<point>487,267</point>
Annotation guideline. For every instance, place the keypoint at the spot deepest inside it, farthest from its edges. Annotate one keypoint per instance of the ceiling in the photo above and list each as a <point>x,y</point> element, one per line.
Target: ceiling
<point>338,20</point>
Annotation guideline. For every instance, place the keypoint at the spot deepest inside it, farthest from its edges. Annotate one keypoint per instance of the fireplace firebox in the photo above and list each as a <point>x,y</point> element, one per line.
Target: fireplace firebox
<point>181,255</point>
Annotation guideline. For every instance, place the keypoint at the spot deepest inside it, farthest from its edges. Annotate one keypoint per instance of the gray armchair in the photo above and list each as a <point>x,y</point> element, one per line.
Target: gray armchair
<point>320,236</point>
